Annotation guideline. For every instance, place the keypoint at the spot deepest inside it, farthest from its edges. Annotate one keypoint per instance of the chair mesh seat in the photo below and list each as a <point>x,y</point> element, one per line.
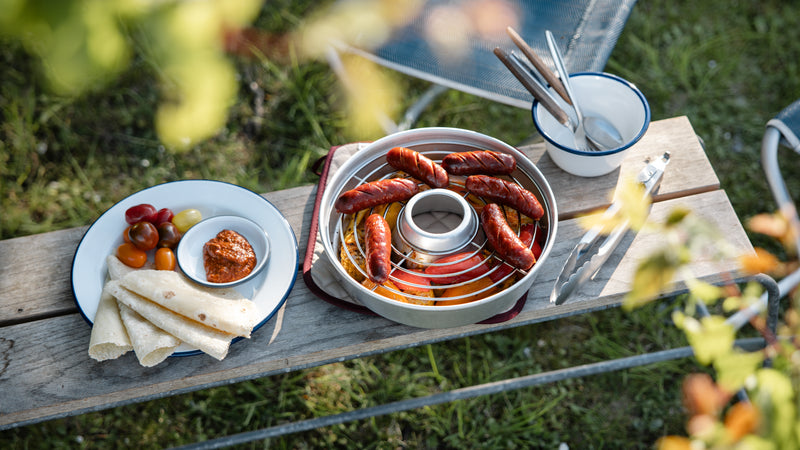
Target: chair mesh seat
<point>587,31</point>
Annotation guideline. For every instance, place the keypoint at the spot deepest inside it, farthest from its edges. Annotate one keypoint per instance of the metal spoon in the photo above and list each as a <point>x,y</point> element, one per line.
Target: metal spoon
<point>596,131</point>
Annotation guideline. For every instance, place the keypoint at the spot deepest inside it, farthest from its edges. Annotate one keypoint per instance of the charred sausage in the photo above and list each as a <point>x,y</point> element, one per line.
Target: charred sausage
<point>378,238</point>
<point>375,193</point>
<point>526,234</point>
<point>503,239</point>
<point>479,162</point>
<point>506,193</point>
<point>418,166</point>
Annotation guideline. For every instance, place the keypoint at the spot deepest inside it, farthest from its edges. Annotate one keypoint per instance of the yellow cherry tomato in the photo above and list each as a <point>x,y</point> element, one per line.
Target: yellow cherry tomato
<point>186,219</point>
<point>165,259</point>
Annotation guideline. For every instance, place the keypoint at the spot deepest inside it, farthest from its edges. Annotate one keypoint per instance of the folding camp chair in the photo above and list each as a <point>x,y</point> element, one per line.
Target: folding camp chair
<point>587,31</point>
<point>782,130</point>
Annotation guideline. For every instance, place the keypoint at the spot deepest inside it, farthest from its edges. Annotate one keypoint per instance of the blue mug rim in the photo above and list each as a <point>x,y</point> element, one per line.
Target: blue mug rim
<point>634,140</point>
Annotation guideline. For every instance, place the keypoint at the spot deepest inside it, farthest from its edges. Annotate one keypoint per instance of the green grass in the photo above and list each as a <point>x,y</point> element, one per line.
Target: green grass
<point>728,66</point>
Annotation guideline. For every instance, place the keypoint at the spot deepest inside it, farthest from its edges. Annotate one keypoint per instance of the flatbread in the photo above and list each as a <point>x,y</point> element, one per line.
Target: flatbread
<point>109,339</point>
<point>208,340</point>
<point>150,343</point>
<point>222,309</point>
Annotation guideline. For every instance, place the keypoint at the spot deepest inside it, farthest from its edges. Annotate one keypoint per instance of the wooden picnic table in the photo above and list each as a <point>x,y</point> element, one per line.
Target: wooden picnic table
<point>46,373</point>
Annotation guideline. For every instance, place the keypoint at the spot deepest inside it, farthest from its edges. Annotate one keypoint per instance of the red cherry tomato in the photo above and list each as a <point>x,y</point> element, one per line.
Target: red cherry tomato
<point>454,264</point>
<point>143,235</point>
<point>163,215</point>
<point>143,212</point>
<point>131,256</point>
<point>165,259</point>
<point>168,235</point>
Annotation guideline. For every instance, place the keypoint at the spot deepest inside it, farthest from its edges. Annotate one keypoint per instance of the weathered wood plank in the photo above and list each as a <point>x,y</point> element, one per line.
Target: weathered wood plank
<point>39,284</point>
<point>45,371</point>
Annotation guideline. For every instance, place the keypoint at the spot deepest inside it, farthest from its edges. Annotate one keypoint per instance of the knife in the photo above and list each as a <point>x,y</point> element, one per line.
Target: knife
<point>591,253</point>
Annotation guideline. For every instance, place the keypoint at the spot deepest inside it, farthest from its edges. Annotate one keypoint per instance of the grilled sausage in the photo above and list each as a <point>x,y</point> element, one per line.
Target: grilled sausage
<point>479,162</point>
<point>378,238</point>
<point>526,234</point>
<point>418,166</point>
<point>503,239</point>
<point>375,193</point>
<point>506,193</point>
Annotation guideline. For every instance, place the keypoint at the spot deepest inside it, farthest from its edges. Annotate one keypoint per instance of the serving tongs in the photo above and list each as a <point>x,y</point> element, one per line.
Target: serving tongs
<point>591,252</point>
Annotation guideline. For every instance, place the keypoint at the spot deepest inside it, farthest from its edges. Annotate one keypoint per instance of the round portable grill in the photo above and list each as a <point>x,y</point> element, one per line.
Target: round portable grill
<point>434,224</point>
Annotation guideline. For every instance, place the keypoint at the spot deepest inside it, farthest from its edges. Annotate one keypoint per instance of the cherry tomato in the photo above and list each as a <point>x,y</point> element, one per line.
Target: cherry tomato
<point>165,259</point>
<point>168,235</point>
<point>420,285</point>
<point>143,235</point>
<point>465,289</point>
<point>131,256</point>
<point>143,212</point>
<point>125,236</point>
<point>186,219</point>
<point>454,264</point>
<point>163,215</point>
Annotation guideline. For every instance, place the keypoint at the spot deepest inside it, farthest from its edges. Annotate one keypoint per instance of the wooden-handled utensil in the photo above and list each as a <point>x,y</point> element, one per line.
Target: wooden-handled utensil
<point>538,91</point>
<point>539,64</point>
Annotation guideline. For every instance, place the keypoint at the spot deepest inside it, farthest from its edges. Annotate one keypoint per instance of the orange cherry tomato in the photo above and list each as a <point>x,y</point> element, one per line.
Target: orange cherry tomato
<point>165,259</point>
<point>465,289</point>
<point>131,256</point>
<point>125,236</point>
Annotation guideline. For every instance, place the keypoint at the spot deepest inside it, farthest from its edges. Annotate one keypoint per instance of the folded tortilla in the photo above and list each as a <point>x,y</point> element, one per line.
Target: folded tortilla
<point>150,343</point>
<point>109,339</point>
<point>208,340</point>
<point>222,309</point>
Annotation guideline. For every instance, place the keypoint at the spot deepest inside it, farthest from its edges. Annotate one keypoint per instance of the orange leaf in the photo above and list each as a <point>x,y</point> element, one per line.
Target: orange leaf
<point>761,262</point>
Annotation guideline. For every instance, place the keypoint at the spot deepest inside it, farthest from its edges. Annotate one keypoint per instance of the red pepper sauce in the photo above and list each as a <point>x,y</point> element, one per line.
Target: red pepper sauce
<point>228,257</point>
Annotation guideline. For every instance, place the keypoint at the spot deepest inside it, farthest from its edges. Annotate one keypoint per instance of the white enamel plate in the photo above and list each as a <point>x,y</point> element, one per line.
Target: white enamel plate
<point>212,198</point>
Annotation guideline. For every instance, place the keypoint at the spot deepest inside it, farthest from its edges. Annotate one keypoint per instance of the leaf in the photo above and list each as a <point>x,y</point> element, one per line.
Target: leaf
<point>774,396</point>
<point>773,225</point>
<point>733,368</point>
<point>634,206</point>
<point>712,340</point>
<point>652,276</point>
<point>706,292</point>
<point>760,262</point>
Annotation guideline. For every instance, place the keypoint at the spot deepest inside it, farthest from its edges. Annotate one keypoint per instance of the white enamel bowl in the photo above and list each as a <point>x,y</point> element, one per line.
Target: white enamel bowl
<point>190,247</point>
<point>598,94</point>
